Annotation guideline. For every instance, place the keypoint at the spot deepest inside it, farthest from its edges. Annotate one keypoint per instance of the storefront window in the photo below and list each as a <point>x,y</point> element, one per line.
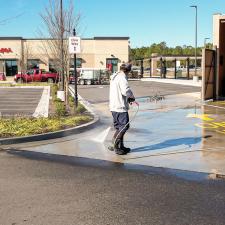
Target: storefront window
<point>11,67</point>
<point>33,64</point>
<point>112,64</point>
<point>79,62</point>
<point>53,65</point>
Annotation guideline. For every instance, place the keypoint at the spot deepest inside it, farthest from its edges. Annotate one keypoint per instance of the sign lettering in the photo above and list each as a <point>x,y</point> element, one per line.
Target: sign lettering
<point>74,45</point>
<point>5,50</point>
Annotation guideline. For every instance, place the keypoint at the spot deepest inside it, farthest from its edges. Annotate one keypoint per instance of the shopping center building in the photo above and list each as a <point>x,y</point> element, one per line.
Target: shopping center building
<point>18,54</point>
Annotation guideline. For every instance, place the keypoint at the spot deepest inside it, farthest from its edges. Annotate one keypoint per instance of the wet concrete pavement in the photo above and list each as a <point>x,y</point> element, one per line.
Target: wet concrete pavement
<point>169,134</point>
<point>76,180</point>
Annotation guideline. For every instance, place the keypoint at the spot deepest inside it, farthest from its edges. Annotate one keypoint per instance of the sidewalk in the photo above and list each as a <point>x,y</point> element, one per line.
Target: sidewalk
<point>175,81</point>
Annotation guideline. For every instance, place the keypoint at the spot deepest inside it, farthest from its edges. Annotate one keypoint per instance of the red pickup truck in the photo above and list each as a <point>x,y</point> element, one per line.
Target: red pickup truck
<point>36,75</point>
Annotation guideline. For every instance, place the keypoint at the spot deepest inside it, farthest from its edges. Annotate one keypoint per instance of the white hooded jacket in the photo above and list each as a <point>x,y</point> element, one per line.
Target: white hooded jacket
<point>119,92</point>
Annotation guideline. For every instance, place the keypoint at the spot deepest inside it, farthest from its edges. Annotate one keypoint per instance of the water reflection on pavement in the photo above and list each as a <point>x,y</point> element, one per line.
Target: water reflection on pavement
<point>162,135</point>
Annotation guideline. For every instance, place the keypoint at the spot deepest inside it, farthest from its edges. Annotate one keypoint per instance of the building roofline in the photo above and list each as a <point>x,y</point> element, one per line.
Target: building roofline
<point>111,38</point>
<point>37,39</point>
<point>11,38</point>
<point>94,38</point>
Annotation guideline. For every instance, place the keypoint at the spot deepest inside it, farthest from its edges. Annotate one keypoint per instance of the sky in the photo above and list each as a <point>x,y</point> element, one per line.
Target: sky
<point>144,21</point>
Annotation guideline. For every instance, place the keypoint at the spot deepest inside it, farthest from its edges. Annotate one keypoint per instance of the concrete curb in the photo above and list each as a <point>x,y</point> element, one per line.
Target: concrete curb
<point>57,134</point>
<point>174,81</point>
<point>84,102</point>
<point>26,87</point>
<point>43,105</point>
<point>51,135</point>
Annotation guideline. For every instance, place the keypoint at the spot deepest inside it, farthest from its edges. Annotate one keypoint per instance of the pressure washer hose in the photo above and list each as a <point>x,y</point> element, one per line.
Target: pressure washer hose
<point>130,121</point>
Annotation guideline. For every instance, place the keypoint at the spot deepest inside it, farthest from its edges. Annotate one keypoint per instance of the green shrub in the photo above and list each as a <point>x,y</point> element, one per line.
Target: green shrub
<point>60,108</point>
<point>54,89</point>
<point>80,109</point>
<point>57,100</point>
<point>71,101</point>
<point>29,126</point>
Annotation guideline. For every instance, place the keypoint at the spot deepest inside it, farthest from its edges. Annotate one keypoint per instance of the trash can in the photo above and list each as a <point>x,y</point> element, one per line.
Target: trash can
<point>195,78</point>
<point>179,73</point>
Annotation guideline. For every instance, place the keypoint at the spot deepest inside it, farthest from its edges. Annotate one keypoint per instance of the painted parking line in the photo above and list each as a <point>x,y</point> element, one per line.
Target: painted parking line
<point>204,117</point>
<point>209,123</point>
<point>19,101</point>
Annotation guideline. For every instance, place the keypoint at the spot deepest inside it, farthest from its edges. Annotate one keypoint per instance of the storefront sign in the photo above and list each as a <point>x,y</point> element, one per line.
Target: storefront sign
<point>5,50</point>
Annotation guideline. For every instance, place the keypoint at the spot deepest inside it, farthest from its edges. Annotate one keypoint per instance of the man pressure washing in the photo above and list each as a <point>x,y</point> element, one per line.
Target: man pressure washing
<point>119,99</point>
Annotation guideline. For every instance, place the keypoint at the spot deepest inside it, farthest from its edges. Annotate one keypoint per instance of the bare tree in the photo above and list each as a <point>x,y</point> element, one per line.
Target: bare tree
<point>56,27</point>
<point>26,55</point>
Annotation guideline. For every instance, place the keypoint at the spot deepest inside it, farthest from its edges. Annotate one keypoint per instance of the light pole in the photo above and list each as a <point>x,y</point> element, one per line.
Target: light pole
<point>75,75</point>
<point>61,44</point>
<point>196,35</point>
<point>205,39</point>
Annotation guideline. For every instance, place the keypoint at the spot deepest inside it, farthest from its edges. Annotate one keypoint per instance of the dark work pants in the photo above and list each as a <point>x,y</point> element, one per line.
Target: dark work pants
<point>120,121</point>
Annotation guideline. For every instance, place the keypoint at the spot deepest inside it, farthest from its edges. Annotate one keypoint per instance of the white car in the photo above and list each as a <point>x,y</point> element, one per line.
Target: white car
<point>136,69</point>
<point>170,69</point>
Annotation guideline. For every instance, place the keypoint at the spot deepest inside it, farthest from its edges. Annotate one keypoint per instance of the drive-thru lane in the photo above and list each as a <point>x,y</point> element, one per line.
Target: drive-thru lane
<point>100,93</point>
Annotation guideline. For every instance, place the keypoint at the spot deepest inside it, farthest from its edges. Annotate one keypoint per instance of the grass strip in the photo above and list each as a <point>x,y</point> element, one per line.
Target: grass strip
<point>17,127</point>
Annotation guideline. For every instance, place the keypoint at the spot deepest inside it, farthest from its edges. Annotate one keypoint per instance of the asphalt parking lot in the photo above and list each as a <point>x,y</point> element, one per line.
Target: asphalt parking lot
<point>100,93</point>
<point>47,189</point>
<point>19,101</point>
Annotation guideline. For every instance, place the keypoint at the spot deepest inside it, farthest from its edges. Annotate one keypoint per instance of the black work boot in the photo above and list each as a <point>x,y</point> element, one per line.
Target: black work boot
<point>112,147</point>
<point>127,150</point>
<point>118,149</point>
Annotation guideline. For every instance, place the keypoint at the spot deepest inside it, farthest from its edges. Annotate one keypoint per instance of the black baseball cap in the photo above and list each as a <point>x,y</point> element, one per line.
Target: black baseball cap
<point>126,67</point>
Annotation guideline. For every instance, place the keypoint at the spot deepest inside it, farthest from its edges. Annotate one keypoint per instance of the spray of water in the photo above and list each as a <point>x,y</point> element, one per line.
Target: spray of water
<point>102,136</point>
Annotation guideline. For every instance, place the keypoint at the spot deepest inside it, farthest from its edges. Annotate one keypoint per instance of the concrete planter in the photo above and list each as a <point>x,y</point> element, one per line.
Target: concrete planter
<point>61,95</point>
<point>195,78</point>
<point>51,135</point>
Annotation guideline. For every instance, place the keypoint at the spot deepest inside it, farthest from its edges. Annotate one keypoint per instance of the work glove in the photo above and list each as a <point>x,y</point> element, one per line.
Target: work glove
<point>130,100</point>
